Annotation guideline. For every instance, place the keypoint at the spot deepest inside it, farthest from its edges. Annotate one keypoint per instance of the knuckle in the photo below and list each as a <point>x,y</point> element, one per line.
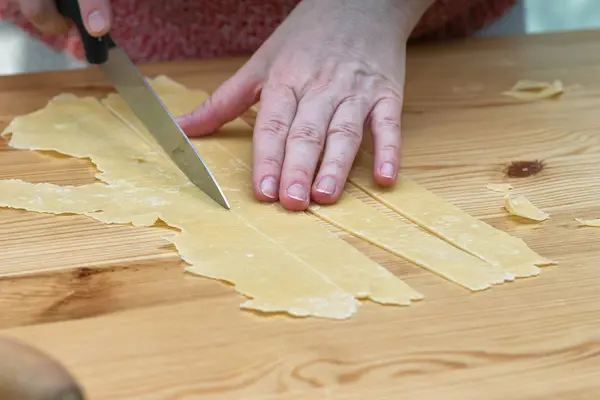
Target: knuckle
<point>387,124</point>
<point>299,172</point>
<point>308,133</point>
<point>274,126</point>
<point>348,131</point>
<point>337,164</point>
<point>270,163</point>
<point>393,148</point>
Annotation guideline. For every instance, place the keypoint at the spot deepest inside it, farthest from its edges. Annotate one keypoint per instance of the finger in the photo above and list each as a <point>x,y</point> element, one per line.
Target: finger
<point>385,126</point>
<point>44,15</point>
<point>275,116</point>
<point>96,16</point>
<point>229,101</point>
<point>303,149</point>
<point>343,141</point>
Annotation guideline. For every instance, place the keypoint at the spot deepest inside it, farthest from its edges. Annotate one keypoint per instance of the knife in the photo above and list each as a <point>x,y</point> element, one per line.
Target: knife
<point>145,104</point>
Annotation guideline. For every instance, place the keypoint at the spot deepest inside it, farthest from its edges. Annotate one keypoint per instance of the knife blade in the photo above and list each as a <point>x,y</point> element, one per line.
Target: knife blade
<point>145,104</point>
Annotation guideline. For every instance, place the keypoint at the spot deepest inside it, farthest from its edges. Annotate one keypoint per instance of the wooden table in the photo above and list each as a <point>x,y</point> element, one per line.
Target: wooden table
<point>130,324</point>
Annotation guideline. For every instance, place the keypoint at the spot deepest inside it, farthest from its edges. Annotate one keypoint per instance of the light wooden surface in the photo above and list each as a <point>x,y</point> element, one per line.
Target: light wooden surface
<point>130,324</point>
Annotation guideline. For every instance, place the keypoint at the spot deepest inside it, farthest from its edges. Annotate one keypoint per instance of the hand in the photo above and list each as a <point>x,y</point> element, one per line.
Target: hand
<point>330,68</point>
<point>44,15</point>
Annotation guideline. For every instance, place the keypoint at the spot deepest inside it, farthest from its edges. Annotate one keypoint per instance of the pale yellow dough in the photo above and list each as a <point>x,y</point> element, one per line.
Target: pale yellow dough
<point>528,90</point>
<point>520,206</point>
<point>346,266</point>
<point>449,222</point>
<point>283,262</point>
<point>595,223</point>
<point>500,187</point>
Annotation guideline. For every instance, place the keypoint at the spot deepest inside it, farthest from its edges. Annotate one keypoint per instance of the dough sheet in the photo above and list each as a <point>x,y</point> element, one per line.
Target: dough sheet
<point>281,270</point>
<point>282,261</point>
<point>442,218</point>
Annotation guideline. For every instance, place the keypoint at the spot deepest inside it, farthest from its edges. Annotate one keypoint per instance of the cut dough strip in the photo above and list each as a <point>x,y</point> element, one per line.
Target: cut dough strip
<point>445,220</point>
<point>429,211</point>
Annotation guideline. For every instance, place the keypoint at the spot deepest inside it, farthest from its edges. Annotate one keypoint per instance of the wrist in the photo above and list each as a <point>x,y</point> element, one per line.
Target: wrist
<point>411,12</point>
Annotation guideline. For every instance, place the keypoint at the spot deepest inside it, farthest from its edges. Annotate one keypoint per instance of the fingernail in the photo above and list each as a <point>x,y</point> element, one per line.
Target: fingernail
<point>387,170</point>
<point>326,185</point>
<point>297,192</point>
<point>96,21</point>
<point>268,187</point>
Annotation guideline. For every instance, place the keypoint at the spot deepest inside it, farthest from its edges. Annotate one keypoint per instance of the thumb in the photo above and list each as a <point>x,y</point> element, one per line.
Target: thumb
<point>229,101</point>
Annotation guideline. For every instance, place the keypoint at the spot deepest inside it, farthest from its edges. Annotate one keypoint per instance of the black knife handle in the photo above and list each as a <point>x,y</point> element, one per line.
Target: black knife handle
<point>96,48</point>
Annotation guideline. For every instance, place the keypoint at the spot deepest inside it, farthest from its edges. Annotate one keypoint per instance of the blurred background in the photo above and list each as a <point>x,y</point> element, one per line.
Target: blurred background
<point>20,53</point>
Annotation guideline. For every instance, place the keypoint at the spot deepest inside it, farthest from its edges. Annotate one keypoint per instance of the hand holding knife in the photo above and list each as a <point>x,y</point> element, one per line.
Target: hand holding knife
<point>145,104</point>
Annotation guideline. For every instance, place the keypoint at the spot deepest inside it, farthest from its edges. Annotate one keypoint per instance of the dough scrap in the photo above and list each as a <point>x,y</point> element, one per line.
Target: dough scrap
<point>595,223</point>
<point>142,185</point>
<point>500,187</point>
<point>529,90</point>
<point>520,206</point>
<point>449,222</point>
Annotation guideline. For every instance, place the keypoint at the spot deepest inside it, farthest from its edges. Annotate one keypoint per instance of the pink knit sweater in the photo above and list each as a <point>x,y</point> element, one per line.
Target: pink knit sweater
<point>158,30</point>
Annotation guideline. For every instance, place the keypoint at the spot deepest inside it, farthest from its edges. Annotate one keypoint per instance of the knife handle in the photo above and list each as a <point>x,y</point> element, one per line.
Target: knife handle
<point>96,48</point>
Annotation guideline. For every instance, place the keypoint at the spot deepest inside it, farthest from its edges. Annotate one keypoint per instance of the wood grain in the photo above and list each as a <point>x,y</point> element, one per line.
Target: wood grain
<point>129,324</point>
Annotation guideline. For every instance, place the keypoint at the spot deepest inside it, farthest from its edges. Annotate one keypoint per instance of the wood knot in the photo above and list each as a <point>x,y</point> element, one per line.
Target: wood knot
<point>523,169</point>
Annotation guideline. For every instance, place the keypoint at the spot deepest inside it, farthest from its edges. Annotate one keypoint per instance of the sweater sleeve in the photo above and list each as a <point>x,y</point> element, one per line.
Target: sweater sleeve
<point>447,19</point>
<point>156,30</point>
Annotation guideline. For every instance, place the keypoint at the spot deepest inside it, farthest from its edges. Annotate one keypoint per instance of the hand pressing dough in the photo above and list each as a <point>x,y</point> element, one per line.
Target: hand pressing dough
<point>520,206</point>
<point>398,237</point>
<point>595,223</point>
<point>500,187</point>
<point>450,223</point>
<point>318,275</point>
<point>528,90</point>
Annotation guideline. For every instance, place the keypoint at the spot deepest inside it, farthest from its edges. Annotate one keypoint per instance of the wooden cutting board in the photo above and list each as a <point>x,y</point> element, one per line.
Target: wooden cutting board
<point>130,324</point>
